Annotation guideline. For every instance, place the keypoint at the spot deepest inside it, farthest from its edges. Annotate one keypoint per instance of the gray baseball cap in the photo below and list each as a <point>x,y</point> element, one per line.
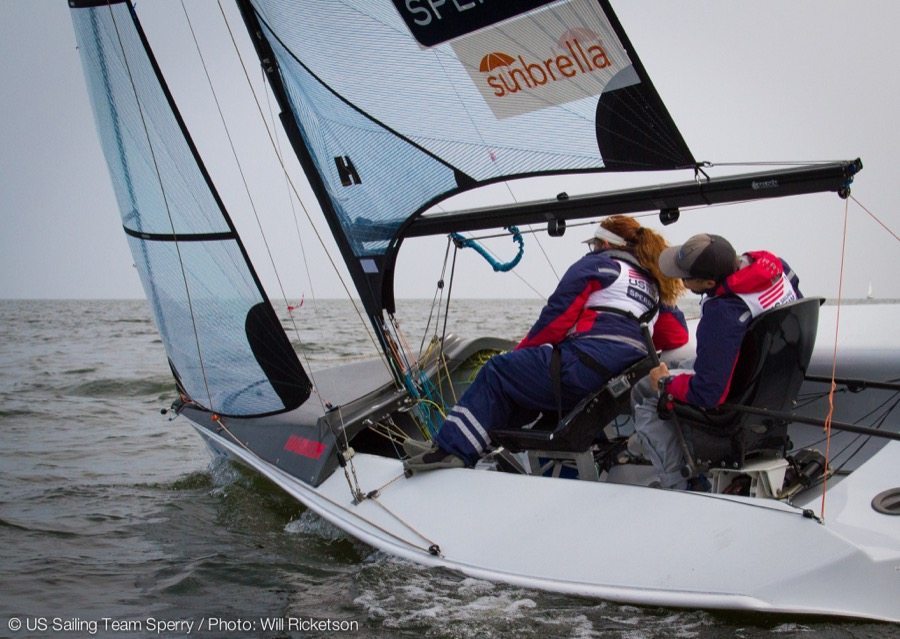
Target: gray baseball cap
<point>703,256</point>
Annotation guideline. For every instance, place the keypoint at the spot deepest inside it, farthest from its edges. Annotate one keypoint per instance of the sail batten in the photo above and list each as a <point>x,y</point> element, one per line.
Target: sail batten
<point>223,339</point>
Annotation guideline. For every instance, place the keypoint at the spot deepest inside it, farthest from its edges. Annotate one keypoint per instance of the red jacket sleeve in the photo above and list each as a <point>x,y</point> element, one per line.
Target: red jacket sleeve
<point>670,330</point>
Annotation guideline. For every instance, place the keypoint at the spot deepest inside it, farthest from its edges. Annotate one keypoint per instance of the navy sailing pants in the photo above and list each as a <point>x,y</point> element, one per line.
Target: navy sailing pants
<point>511,389</point>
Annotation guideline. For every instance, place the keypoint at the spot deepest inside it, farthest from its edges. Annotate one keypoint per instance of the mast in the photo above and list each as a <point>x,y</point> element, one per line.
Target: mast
<point>365,273</point>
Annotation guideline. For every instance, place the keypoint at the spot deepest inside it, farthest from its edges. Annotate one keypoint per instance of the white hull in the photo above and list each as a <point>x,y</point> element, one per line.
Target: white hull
<point>640,545</point>
<point>625,543</point>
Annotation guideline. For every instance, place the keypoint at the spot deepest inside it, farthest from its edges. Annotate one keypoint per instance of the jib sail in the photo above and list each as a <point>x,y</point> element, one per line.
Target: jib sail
<point>223,339</point>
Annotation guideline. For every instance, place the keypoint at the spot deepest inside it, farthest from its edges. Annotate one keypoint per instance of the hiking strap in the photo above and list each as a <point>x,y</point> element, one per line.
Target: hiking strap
<point>594,365</point>
<point>643,319</point>
<point>556,373</point>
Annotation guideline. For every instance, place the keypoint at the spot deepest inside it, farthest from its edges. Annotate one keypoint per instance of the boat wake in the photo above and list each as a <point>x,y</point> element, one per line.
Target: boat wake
<point>403,596</point>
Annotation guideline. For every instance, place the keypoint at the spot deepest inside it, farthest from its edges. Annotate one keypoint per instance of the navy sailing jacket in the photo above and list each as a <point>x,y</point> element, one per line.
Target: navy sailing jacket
<point>571,311</point>
<point>764,282</point>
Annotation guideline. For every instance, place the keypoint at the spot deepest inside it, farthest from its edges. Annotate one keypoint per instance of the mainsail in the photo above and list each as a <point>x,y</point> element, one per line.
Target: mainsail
<point>224,342</point>
<point>393,106</point>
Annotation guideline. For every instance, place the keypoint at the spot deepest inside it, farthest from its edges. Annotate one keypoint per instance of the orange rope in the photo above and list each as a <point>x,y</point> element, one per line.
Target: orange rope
<point>874,217</point>
<point>837,325</point>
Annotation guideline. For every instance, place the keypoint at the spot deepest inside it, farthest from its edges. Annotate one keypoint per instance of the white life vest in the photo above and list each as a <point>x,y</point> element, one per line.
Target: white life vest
<point>781,292</point>
<point>632,292</point>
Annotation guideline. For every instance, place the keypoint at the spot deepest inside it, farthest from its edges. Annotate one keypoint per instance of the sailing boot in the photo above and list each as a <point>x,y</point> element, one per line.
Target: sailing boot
<point>433,459</point>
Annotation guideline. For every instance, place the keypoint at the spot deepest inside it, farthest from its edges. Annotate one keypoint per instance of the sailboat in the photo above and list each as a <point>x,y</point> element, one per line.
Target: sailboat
<point>391,108</point>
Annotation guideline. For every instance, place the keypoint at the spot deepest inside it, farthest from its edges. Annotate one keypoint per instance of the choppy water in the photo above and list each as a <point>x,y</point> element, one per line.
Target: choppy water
<point>110,513</point>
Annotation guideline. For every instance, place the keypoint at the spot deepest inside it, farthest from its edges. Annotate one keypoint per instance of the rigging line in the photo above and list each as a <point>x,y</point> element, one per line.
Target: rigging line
<point>449,292</point>
<point>290,197</point>
<point>862,439</point>
<point>390,431</point>
<point>772,163</point>
<point>247,191</point>
<point>221,422</point>
<point>318,235</point>
<point>434,304</point>
<point>408,364</point>
<point>433,548</point>
<point>837,326</point>
<point>305,355</point>
<point>437,406</point>
<point>409,360</point>
<point>233,150</point>
<point>442,372</point>
<point>323,402</point>
<point>760,504</point>
<point>421,387</point>
<point>322,496</point>
<point>353,485</point>
<point>874,217</point>
<point>879,414</point>
<point>533,232</point>
<point>162,190</point>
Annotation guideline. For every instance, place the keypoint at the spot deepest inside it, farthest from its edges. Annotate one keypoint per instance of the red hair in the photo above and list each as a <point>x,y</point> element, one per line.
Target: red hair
<point>646,245</point>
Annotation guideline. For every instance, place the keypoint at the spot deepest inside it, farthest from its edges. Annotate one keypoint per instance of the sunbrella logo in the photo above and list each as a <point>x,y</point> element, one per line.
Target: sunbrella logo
<point>578,52</point>
<point>565,53</point>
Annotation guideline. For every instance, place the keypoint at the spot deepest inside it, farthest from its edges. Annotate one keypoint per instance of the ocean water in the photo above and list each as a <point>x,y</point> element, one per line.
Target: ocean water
<point>114,523</point>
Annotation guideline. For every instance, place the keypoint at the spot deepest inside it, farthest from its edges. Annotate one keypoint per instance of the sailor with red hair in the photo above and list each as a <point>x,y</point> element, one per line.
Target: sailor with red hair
<point>588,332</point>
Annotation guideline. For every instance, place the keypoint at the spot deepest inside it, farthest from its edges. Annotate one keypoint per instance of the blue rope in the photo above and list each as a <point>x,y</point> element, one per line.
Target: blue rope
<point>463,242</point>
<point>424,390</point>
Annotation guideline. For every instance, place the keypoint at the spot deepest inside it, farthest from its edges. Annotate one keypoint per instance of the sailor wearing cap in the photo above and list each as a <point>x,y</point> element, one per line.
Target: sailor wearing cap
<point>735,289</point>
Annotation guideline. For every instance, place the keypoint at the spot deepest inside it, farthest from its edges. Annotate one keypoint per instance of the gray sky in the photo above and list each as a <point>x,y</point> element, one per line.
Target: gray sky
<point>745,82</point>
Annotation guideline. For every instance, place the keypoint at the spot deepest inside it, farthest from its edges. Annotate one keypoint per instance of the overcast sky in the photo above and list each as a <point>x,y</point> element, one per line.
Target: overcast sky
<point>744,81</point>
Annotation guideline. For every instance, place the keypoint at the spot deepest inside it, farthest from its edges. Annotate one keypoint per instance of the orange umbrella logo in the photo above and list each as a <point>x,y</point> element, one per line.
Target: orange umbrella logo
<point>494,60</point>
